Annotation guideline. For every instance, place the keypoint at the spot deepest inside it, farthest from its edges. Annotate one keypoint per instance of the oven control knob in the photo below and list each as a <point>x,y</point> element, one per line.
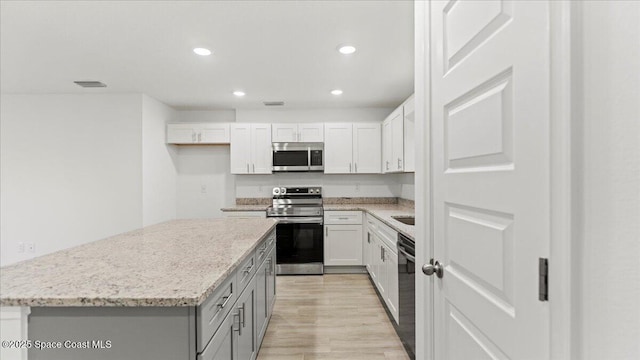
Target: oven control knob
<point>283,191</point>
<point>276,191</point>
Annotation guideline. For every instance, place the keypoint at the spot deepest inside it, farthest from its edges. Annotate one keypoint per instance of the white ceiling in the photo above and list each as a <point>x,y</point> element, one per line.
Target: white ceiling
<point>272,50</point>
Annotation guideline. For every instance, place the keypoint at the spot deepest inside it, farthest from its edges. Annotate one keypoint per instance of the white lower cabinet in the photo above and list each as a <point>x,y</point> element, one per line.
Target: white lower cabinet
<point>343,238</point>
<point>382,262</point>
<point>342,245</point>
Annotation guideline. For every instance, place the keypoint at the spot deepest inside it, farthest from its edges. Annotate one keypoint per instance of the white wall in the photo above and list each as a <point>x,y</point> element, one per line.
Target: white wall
<point>407,186</point>
<point>204,166</point>
<point>159,163</point>
<point>608,181</point>
<point>332,185</point>
<point>70,170</point>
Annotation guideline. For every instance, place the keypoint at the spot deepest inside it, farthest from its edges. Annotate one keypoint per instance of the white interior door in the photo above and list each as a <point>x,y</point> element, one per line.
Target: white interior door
<point>490,177</point>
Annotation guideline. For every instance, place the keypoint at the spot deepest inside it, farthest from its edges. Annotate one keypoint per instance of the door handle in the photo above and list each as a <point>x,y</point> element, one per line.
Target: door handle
<point>433,268</point>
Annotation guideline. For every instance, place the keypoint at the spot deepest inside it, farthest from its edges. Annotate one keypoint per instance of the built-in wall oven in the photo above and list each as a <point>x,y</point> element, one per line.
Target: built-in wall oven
<point>299,232</point>
<point>407,293</point>
<point>288,157</point>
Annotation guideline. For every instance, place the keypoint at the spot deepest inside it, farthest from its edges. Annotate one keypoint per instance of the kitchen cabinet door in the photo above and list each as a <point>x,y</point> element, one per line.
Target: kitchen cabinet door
<point>213,134</point>
<point>343,245</point>
<point>409,138</point>
<point>367,150</point>
<point>367,251</point>
<point>387,153</point>
<point>284,132</point>
<point>391,273</point>
<point>311,132</point>
<point>271,281</point>
<point>338,148</point>
<point>378,266</point>
<point>241,146</point>
<point>247,339</point>
<point>261,149</point>
<point>223,345</point>
<point>261,300</point>
<point>397,141</point>
<point>181,134</point>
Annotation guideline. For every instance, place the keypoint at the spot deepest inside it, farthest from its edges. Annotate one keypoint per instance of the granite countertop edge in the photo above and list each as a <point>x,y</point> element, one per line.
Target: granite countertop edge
<point>134,301</point>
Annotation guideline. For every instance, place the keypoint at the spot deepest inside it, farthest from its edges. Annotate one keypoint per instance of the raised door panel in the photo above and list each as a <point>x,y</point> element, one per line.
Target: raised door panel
<point>181,134</point>
<point>240,152</point>
<point>284,132</point>
<point>367,148</point>
<point>343,245</point>
<point>312,132</point>
<point>338,148</point>
<point>409,135</point>
<point>397,141</point>
<point>261,155</point>
<point>387,150</point>
<point>213,133</point>
<point>490,177</point>
<point>247,339</point>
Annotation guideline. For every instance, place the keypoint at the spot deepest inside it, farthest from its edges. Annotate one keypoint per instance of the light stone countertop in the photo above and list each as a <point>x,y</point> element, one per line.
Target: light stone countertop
<point>384,213</point>
<point>246,208</point>
<point>176,263</point>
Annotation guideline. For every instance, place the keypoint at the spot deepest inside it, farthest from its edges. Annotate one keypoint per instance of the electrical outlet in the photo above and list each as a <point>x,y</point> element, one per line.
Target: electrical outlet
<point>357,186</point>
<point>31,247</point>
<point>203,188</point>
<point>20,247</point>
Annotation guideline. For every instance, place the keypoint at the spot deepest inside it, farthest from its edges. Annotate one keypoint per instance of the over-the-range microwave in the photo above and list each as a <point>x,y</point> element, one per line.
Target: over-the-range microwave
<point>298,157</point>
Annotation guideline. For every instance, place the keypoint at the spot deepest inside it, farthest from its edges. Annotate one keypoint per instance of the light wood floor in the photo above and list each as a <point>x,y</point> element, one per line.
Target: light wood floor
<point>329,317</point>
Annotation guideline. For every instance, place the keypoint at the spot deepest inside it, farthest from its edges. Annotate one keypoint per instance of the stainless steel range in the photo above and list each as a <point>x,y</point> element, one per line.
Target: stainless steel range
<point>299,233</point>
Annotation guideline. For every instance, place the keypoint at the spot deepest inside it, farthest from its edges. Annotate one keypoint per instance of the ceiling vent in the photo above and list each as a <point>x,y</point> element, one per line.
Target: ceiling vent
<point>90,84</point>
<point>273,103</point>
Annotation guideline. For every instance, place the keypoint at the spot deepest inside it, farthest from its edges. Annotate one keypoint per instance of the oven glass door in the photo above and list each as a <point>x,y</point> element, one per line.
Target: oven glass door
<point>299,243</point>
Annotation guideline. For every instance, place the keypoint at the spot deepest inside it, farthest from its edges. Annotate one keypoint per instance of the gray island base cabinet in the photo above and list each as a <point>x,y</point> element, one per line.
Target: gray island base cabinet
<point>229,325</point>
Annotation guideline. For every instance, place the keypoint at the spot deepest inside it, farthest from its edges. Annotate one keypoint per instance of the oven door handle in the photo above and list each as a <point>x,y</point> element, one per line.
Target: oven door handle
<point>299,220</point>
<point>406,254</point>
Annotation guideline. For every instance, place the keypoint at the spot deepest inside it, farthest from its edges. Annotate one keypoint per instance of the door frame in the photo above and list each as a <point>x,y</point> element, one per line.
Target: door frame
<point>563,259</point>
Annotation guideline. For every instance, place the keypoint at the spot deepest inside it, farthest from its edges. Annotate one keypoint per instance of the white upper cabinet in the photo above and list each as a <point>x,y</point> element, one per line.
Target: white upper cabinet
<point>352,148</point>
<point>409,137</point>
<point>311,132</point>
<point>366,148</point>
<point>398,143</point>
<point>393,143</point>
<point>338,148</point>
<point>198,133</point>
<point>251,148</point>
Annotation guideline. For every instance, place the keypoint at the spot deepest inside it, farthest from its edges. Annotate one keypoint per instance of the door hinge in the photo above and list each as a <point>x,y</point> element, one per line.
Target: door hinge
<point>543,279</point>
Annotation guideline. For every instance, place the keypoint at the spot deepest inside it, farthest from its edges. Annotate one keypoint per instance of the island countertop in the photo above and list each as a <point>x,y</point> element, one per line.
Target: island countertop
<point>176,263</point>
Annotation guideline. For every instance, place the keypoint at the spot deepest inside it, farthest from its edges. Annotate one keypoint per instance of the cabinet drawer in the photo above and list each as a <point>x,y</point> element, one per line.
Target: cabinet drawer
<point>265,247</point>
<point>384,231</point>
<point>245,272</point>
<point>343,217</point>
<point>214,309</point>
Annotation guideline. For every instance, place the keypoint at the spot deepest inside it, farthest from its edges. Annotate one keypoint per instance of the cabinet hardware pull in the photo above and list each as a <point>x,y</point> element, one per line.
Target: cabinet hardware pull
<point>247,168</point>
<point>398,163</point>
<point>239,330</point>
<point>224,303</point>
<point>387,165</point>
<point>248,269</point>
<point>242,317</point>
<point>356,165</point>
<point>349,167</point>
<point>254,167</point>
<point>326,231</point>
<point>199,137</point>
<point>193,136</point>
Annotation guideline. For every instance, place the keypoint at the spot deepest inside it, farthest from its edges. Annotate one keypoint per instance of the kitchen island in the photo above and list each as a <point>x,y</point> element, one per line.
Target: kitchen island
<point>182,289</point>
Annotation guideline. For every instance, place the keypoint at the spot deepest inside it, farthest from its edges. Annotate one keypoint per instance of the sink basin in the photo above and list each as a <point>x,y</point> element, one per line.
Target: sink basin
<point>407,220</point>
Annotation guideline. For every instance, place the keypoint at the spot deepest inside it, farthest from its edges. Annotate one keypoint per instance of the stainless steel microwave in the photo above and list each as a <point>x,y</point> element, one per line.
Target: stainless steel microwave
<point>288,157</point>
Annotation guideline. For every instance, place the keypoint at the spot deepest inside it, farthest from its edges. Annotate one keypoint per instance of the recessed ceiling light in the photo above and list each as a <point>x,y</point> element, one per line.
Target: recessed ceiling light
<point>202,51</point>
<point>238,93</point>
<point>346,49</point>
<point>336,92</point>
